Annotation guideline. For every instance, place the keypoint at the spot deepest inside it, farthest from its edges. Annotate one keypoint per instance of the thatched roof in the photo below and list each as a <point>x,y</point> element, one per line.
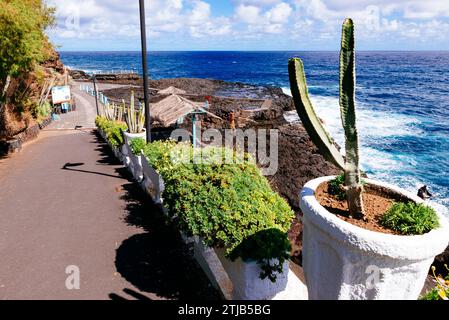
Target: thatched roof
<point>171,90</point>
<point>169,110</point>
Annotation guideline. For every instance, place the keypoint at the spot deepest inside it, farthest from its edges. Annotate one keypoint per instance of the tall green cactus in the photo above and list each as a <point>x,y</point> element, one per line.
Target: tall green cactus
<point>316,130</point>
<point>354,187</point>
<point>135,119</point>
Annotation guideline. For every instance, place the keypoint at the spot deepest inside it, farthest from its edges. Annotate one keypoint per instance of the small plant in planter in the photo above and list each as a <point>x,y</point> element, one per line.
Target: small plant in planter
<point>137,145</point>
<point>135,120</point>
<point>441,290</point>
<point>348,253</point>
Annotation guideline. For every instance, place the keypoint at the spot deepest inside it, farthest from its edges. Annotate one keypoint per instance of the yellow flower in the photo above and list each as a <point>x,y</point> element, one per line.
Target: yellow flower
<point>442,294</point>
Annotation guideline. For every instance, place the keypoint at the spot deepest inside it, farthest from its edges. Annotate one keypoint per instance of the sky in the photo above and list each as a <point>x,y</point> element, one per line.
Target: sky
<point>253,25</point>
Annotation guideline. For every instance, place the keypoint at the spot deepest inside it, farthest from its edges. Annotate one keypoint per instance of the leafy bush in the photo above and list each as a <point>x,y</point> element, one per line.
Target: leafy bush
<point>112,129</point>
<point>336,187</point>
<point>431,295</point>
<point>23,40</point>
<point>410,218</point>
<point>43,110</point>
<point>228,204</point>
<point>137,145</point>
<point>441,291</point>
<point>276,246</point>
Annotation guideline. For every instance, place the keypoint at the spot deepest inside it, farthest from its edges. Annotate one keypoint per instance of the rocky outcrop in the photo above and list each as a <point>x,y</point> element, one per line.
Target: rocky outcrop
<point>299,162</point>
<point>54,63</point>
<point>15,143</point>
<point>124,78</point>
<point>441,261</point>
<point>79,75</point>
<point>16,117</point>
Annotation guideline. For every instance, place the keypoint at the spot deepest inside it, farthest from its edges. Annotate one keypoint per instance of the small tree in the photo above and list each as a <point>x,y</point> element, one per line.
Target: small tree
<point>23,41</point>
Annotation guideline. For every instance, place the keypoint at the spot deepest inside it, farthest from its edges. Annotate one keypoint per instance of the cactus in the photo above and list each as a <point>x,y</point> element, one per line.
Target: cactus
<point>317,132</point>
<point>353,184</point>
<point>109,111</point>
<point>135,119</point>
<point>306,112</point>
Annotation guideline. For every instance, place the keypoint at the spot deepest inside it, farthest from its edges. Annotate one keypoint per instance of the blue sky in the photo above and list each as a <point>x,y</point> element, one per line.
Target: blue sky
<point>105,25</point>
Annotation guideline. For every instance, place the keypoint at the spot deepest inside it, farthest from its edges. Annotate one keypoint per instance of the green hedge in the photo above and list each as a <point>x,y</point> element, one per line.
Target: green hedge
<point>137,145</point>
<point>229,206</point>
<point>113,130</point>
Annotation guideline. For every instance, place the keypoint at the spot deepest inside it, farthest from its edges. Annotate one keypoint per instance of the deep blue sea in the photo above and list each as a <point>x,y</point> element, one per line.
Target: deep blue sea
<point>403,101</point>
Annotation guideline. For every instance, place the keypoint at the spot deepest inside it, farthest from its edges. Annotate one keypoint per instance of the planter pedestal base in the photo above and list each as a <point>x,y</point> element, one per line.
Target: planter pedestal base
<point>289,287</point>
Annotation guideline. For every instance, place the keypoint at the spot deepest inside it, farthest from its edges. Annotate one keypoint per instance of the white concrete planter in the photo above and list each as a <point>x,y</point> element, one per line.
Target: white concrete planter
<point>130,136</point>
<point>133,162</point>
<point>152,182</point>
<point>135,166</point>
<point>343,261</point>
<point>246,281</point>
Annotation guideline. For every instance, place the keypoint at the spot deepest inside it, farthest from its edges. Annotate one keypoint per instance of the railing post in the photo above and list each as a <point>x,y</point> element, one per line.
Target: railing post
<point>96,95</point>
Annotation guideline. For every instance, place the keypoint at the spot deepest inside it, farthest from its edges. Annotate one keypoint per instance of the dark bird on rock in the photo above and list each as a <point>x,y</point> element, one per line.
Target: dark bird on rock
<point>424,193</point>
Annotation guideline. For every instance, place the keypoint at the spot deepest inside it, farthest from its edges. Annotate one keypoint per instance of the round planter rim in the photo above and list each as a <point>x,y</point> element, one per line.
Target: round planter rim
<point>134,135</point>
<point>414,247</point>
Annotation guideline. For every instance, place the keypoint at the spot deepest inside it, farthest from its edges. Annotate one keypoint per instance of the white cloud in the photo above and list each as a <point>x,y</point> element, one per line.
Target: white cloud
<point>202,24</point>
<point>310,20</point>
<point>258,3</point>
<point>200,13</point>
<point>280,13</point>
<point>271,21</point>
<point>248,14</point>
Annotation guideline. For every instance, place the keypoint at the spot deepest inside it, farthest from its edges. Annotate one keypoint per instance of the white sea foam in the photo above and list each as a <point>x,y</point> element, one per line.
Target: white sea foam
<point>372,124</point>
<point>287,91</point>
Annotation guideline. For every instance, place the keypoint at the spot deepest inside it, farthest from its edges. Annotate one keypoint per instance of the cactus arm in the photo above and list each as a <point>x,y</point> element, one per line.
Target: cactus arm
<point>306,112</point>
<point>354,188</point>
<point>134,117</point>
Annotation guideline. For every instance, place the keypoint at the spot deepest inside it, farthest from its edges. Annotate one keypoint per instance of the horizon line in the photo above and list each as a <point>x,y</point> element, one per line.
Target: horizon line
<point>210,50</point>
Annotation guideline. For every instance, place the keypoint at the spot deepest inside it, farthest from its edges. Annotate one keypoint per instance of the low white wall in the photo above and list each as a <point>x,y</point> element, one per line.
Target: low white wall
<point>152,181</point>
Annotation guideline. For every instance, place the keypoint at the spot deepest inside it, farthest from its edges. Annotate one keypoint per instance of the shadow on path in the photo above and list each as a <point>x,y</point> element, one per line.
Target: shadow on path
<point>133,294</point>
<point>157,261</point>
<point>69,166</point>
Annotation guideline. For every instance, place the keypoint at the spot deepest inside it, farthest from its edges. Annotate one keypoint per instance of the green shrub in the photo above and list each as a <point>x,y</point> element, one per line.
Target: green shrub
<point>262,247</point>
<point>44,110</point>
<point>228,205</point>
<point>441,291</point>
<point>431,295</point>
<point>336,187</point>
<point>112,129</point>
<point>410,218</point>
<point>137,145</point>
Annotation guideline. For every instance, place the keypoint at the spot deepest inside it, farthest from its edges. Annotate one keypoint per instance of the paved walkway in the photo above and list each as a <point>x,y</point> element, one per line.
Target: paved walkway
<point>64,201</point>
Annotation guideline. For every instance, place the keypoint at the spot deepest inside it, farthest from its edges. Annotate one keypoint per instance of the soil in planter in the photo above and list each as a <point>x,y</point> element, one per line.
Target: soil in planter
<point>377,202</point>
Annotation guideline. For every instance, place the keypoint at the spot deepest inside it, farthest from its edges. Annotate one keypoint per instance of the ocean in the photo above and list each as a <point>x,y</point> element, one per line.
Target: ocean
<point>402,100</point>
